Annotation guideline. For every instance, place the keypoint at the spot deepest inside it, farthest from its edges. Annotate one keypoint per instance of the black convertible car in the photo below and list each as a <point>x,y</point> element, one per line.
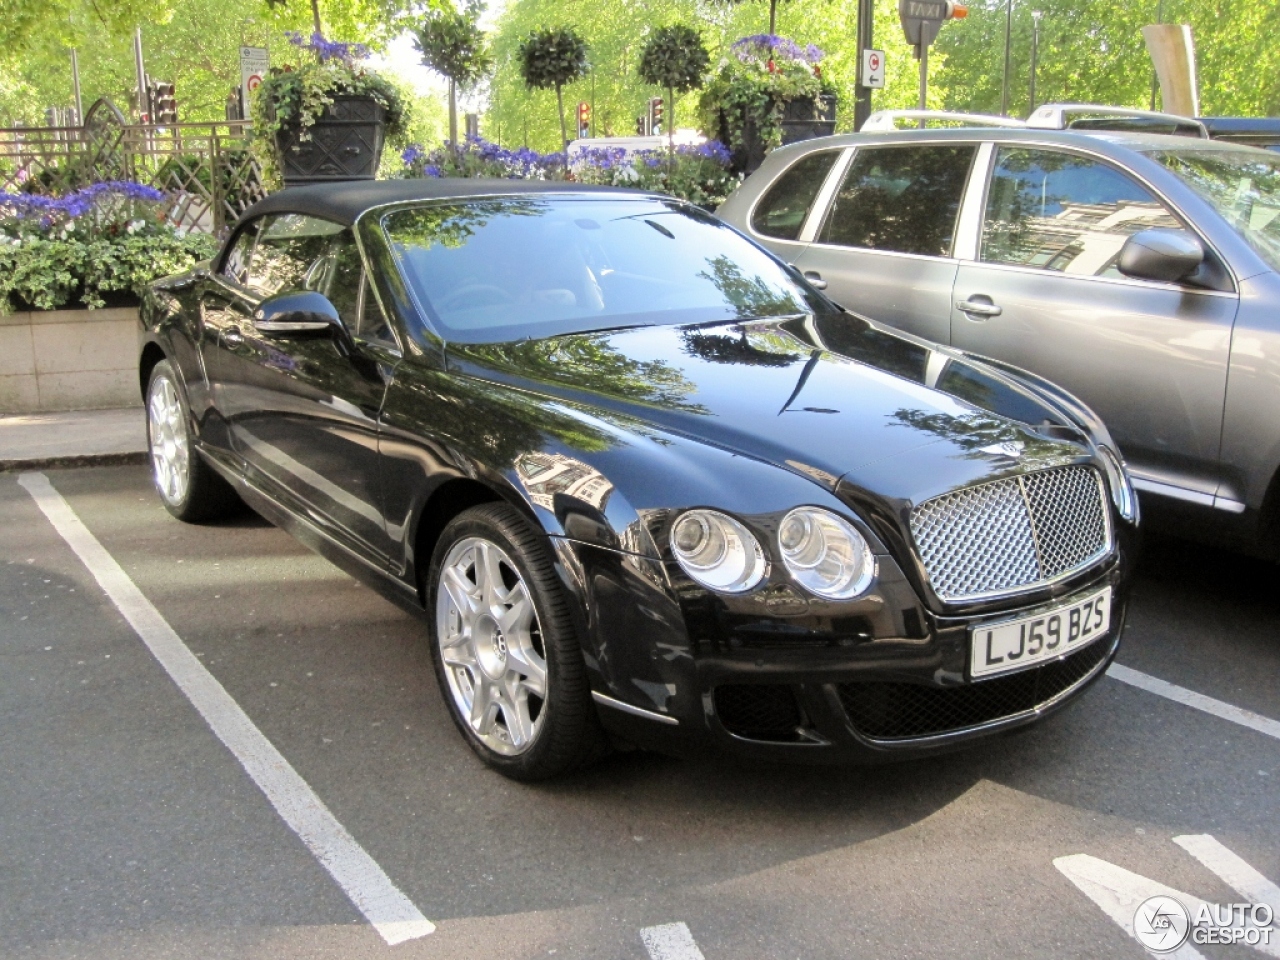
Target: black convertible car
<point>648,485</point>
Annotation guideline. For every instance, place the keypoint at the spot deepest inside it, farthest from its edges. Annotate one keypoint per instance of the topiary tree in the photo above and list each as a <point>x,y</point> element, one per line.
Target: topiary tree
<point>552,58</point>
<point>452,44</point>
<point>675,59</point>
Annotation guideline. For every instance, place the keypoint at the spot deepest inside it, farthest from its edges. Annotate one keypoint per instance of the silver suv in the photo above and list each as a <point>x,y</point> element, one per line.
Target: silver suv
<point>1139,271</point>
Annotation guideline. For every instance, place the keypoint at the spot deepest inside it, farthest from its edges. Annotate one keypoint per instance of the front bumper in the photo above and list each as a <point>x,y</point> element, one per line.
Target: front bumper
<point>874,700</point>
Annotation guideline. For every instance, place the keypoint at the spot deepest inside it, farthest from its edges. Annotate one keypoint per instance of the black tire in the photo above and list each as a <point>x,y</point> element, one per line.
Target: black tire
<point>203,495</point>
<point>568,734</point>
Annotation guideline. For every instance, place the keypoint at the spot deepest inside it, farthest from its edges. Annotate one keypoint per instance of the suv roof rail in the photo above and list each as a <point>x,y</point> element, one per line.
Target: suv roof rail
<point>885,121</point>
<point>1053,116</point>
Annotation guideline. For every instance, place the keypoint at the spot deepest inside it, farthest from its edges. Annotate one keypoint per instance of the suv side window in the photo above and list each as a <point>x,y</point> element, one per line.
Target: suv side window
<point>903,199</point>
<point>290,246</point>
<point>782,210</point>
<point>1064,212</point>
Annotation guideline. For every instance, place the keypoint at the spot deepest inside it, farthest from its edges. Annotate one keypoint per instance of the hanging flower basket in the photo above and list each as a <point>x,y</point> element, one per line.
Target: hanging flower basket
<point>344,143</point>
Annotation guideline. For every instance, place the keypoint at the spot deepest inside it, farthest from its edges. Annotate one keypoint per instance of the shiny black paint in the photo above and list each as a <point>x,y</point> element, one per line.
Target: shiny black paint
<point>753,418</point>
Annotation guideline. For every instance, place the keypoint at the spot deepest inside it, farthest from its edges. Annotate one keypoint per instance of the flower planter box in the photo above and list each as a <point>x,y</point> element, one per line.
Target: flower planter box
<point>802,119</point>
<point>345,144</point>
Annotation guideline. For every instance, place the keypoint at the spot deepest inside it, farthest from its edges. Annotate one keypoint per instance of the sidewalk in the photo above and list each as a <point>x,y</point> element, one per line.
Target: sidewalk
<point>90,437</point>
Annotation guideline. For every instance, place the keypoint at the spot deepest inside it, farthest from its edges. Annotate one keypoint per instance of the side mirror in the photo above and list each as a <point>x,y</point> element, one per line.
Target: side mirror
<point>298,312</point>
<point>1161,254</point>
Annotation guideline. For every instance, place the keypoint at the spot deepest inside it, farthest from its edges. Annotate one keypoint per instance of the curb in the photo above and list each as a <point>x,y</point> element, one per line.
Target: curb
<point>131,458</point>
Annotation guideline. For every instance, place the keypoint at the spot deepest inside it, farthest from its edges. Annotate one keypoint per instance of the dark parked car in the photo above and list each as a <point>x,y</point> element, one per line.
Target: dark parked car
<point>645,482</point>
<point>1141,272</point>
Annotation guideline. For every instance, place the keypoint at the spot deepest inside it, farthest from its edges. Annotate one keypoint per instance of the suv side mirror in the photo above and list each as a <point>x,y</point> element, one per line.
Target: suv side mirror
<point>297,312</point>
<point>1170,256</point>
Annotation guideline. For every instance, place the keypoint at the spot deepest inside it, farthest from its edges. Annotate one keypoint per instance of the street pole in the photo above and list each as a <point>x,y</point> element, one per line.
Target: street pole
<point>141,72</point>
<point>924,80</point>
<point>1035,49</point>
<point>1008,32</point>
<point>862,99</point>
<point>75,87</point>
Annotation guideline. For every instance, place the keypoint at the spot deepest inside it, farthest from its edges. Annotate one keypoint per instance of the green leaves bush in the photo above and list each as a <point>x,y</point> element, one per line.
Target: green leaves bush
<point>47,273</point>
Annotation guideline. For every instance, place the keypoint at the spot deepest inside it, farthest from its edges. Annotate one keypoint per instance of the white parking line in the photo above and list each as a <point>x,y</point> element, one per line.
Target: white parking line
<point>389,911</point>
<point>1171,691</point>
<point>671,941</point>
<point>1233,871</point>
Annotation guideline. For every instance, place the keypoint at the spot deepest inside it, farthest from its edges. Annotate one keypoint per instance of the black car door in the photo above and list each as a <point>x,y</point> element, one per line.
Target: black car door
<point>303,408</point>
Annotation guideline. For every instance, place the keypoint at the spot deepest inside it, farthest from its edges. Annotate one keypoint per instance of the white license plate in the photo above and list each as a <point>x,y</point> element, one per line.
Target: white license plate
<point>1016,644</point>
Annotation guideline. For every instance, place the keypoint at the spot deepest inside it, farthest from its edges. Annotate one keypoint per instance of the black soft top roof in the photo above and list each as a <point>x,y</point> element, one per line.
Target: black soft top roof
<point>344,202</point>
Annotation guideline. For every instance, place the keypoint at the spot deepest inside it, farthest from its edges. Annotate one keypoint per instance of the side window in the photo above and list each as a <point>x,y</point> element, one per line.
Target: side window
<point>347,287</point>
<point>901,199</point>
<point>782,210</point>
<point>236,266</point>
<point>290,253</point>
<point>1064,212</point>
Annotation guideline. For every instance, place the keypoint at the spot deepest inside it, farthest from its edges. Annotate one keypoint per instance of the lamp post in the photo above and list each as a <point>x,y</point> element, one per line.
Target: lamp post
<point>1004,82</point>
<point>1035,49</point>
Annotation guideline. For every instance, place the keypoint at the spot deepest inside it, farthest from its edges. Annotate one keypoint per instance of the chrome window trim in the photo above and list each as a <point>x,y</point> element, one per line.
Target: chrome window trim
<point>964,246</point>
<point>818,211</point>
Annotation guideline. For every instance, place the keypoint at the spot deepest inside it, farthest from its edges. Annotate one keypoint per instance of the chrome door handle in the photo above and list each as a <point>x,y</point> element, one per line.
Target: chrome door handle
<point>233,336</point>
<point>978,309</point>
<point>815,279</point>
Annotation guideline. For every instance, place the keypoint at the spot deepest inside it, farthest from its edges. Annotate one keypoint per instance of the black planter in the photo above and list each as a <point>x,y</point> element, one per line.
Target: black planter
<point>805,118</point>
<point>802,119</point>
<point>345,144</point>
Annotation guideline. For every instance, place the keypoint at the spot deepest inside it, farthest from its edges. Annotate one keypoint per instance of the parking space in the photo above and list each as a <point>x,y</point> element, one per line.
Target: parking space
<point>128,828</point>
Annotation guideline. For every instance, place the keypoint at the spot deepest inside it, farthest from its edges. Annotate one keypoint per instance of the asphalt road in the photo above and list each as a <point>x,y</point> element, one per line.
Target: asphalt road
<point>128,830</point>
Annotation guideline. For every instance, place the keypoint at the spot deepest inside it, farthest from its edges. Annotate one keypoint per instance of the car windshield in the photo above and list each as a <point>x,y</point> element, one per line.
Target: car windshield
<point>511,268</point>
<point>1243,186</point>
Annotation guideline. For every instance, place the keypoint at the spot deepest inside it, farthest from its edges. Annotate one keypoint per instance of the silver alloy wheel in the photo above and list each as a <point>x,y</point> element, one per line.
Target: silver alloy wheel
<point>491,645</point>
<point>167,429</point>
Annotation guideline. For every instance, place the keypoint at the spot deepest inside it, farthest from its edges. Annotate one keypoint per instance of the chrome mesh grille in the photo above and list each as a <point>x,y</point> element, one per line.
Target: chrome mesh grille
<point>1012,534</point>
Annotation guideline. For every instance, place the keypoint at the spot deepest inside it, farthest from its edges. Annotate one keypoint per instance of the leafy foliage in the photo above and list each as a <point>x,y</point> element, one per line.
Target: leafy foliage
<point>452,44</point>
<point>754,83</point>
<point>674,58</point>
<point>773,14</point>
<point>106,240</point>
<point>551,58</point>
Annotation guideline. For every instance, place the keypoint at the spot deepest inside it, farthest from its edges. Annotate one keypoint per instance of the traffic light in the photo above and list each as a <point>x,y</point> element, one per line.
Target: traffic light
<point>584,120</point>
<point>642,126</point>
<point>655,116</point>
<point>164,103</point>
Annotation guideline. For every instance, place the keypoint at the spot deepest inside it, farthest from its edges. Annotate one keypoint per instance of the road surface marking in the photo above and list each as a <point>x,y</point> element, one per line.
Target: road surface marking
<point>390,912</point>
<point>1232,870</point>
<point>671,941</point>
<point>1118,892</point>
<point>1226,711</point>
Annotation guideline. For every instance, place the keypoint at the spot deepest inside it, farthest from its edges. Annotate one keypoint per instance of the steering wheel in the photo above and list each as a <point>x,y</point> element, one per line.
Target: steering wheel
<point>487,294</point>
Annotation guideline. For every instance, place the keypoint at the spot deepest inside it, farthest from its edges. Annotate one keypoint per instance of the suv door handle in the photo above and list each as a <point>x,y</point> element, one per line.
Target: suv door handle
<point>233,336</point>
<point>815,279</point>
<point>977,308</point>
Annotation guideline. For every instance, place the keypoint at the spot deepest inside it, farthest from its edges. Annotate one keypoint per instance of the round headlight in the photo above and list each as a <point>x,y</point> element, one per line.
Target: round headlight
<point>825,554</point>
<point>717,551</point>
<point>1122,494</point>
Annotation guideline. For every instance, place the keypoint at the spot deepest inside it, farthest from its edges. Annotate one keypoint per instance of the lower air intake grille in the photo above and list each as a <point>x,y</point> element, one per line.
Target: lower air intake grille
<point>898,711</point>
<point>759,711</point>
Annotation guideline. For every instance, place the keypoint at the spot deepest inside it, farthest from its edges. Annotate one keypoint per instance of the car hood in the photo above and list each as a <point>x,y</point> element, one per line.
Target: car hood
<point>837,398</point>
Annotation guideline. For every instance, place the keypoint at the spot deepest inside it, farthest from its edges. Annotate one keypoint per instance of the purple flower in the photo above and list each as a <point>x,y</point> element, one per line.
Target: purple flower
<point>431,170</point>
<point>326,50</point>
<point>769,46</point>
<point>48,211</point>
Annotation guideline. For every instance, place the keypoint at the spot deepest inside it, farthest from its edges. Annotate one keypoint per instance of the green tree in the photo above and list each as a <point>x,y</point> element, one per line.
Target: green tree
<point>452,44</point>
<point>550,58</point>
<point>773,14</point>
<point>675,59</point>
